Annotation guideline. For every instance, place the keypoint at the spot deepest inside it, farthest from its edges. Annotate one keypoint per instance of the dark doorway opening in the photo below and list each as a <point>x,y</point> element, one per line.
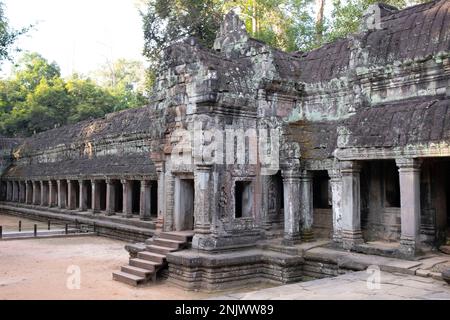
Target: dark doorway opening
<point>154,199</point>
<point>136,196</point>
<point>243,199</point>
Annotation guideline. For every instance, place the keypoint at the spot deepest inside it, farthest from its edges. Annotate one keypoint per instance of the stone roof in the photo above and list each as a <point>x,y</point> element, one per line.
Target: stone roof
<point>413,33</point>
<point>398,124</point>
<point>131,121</point>
<point>112,165</point>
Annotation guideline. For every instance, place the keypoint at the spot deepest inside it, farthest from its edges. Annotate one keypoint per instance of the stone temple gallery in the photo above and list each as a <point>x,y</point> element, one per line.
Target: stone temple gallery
<point>244,152</point>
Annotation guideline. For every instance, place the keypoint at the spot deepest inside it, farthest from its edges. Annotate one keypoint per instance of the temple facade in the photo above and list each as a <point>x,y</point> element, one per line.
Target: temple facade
<point>254,150</point>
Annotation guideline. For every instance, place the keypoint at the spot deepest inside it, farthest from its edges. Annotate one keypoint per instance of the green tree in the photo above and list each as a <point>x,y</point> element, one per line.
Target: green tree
<point>8,36</point>
<point>167,20</point>
<point>347,15</point>
<point>88,100</point>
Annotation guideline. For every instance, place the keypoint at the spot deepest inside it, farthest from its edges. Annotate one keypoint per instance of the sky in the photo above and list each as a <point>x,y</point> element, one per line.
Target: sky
<point>79,35</point>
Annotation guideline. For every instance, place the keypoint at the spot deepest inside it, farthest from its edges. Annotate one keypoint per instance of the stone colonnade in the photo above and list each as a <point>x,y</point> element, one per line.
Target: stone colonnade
<point>83,195</point>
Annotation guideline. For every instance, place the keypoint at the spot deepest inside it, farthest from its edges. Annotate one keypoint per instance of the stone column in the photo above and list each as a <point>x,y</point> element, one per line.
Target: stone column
<point>110,197</point>
<point>409,173</point>
<point>351,204</point>
<point>306,205</point>
<point>29,192</point>
<point>202,199</point>
<point>127,198</point>
<point>52,191</point>
<point>9,188</point>
<point>15,192</point>
<point>95,197</point>
<point>83,195</point>
<point>291,187</point>
<point>44,193</point>
<point>36,193</point>
<point>336,195</point>
<point>161,195</point>
<point>61,194</point>
<point>72,196</point>
<point>145,198</point>
<point>21,192</point>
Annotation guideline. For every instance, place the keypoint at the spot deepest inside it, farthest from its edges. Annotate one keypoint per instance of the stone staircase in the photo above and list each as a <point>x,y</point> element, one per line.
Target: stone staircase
<point>148,263</point>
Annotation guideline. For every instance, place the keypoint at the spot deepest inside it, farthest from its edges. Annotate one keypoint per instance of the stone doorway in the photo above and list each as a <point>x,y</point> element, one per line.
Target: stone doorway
<point>184,204</point>
<point>322,205</point>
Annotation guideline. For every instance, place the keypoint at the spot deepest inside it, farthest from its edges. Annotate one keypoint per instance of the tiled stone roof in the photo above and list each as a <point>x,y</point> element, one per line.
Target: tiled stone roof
<point>398,124</point>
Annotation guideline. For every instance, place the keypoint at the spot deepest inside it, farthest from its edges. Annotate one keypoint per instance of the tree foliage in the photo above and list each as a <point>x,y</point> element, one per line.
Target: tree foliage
<point>289,25</point>
<point>8,36</point>
<point>37,98</point>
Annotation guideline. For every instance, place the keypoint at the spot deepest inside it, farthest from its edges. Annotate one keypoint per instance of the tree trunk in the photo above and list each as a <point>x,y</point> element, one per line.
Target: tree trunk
<point>319,20</point>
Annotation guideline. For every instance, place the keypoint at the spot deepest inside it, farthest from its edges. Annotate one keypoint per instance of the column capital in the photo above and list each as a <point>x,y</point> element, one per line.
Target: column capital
<point>203,167</point>
<point>306,174</point>
<point>293,173</point>
<point>408,164</point>
<point>146,183</point>
<point>109,180</point>
<point>124,181</point>
<point>334,174</point>
<point>159,166</point>
<point>349,167</point>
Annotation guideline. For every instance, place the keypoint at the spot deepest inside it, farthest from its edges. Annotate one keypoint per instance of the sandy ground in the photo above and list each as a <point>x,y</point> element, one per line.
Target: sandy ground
<point>11,224</point>
<point>38,269</point>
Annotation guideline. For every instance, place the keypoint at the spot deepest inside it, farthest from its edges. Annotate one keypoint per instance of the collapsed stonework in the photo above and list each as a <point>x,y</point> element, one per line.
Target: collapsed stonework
<point>358,129</point>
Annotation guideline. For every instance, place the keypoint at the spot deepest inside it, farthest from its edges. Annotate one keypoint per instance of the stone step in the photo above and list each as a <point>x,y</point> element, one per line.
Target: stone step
<point>175,244</point>
<point>128,278</point>
<point>151,256</point>
<point>177,236</point>
<point>159,249</point>
<point>144,273</point>
<point>144,264</point>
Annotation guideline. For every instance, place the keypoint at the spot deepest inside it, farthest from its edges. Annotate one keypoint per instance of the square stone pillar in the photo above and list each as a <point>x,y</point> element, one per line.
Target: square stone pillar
<point>44,193</point>
<point>52,193</point>
<point>336,195</point>
<point>62,194</point>
<point>351,204</point>
<point>9,191</point>
<point>409,174</point>
<point>83,195</point>
<point>29,192</point>
<point>72,196</point>
<point>202,198</point>
<point>110,197</point>
<point>291,187</point>
<point>161,194</point>
<point>127,198</point>
<point>15,191</point>
<point>145,198</point>
<point>22,195</point>
<point>36,192</point>
<point>95,197</point>
<point>306,205</point>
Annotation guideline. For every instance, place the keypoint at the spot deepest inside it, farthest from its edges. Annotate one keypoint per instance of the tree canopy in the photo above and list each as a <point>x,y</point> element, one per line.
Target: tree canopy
<point>289,25</point>
<point>8,36</point>
<point>35,97</point>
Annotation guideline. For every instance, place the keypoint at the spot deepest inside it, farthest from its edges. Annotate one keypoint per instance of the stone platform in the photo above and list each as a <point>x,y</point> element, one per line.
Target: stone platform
<point>353,286</point>
<point>117,227</point>
<point>274,263</point>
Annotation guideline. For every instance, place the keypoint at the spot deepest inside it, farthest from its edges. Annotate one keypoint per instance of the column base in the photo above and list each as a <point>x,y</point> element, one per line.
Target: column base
<point>408,246</point>
<point>110,213</point>
<point>308,235</point>
<point>337,237</point>
<point>159,223</point>
<point>145,218</point>
<point>351,238</point>
<point>291,240</point>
